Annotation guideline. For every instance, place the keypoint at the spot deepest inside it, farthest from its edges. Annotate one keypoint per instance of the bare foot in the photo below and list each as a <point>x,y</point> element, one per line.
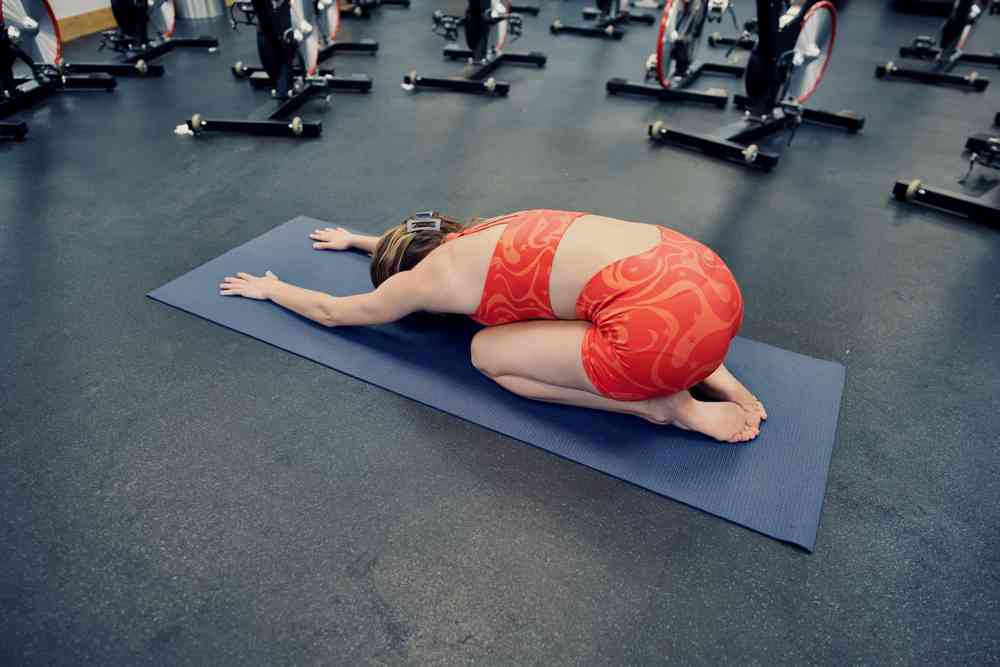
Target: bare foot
<point>723,386</point>
<point>724,421</point>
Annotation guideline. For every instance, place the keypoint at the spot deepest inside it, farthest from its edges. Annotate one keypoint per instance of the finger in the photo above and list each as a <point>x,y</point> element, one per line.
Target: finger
<point>244,276</point>
<point>229,292</point>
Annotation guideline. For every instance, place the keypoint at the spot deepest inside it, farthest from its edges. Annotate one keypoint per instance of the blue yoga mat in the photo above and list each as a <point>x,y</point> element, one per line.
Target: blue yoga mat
<point>774,485</point>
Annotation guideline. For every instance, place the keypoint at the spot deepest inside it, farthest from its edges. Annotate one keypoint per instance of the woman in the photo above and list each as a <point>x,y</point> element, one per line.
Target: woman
<point>580,309</point>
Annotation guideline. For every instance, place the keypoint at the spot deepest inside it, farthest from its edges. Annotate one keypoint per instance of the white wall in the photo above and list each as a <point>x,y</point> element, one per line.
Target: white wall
<point>64,8</point>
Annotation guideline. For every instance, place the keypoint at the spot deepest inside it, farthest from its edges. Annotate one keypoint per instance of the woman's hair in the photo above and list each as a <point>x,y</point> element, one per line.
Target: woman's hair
<point>401,250</point>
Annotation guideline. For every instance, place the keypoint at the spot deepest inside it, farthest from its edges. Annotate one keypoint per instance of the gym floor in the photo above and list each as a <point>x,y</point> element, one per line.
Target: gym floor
<point>176,493</point>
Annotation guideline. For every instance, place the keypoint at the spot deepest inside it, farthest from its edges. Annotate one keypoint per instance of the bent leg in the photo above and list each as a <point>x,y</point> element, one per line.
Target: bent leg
<point>541,360</point>
<point>722,385</point>
<point>551,393</point>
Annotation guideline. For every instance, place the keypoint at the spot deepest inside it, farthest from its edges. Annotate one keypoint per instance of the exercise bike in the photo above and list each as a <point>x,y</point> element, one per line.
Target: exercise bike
<point>146,31</point>
<point>488,24</point>
<point>608,16</point>
<point>982,149</point>
<point>673,65</point>
<point>785,68</point>
<point>32,67</point>
<point>745,39</point>
<point>945,52</point>
<point>288,45</point>
<point>327,13</point>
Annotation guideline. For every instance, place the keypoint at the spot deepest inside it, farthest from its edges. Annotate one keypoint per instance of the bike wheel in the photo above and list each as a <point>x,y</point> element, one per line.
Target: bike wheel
<point>669,20</point>
<point>500,8</point>
<point>34,19</point>
<point>304,21</point>
<point>676,22</point>
<point>329,20</point>
<point>812,51</point>
<point>163,18</point>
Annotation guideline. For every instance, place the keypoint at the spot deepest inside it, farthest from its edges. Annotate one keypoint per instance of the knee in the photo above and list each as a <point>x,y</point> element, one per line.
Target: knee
<point>482,359</point>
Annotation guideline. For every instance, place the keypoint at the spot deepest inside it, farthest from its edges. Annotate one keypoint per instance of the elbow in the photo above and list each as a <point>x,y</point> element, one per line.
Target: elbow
<point>350,311</point>
<point>326,315</point>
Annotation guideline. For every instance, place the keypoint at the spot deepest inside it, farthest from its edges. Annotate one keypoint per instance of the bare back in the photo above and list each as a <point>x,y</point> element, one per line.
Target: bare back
<point>589,244</point>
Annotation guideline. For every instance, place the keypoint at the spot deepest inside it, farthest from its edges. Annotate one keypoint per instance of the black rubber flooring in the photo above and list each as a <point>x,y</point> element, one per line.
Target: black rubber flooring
<point>174,493</point>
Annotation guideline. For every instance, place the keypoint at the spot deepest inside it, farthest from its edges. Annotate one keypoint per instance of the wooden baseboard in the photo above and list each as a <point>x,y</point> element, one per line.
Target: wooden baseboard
<point>72,27</point>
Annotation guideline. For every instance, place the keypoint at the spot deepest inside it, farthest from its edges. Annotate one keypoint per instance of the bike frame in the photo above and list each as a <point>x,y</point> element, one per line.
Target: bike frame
<point>767,80</point>
<point>955,30</point>
<point>692,26</point>
<point>947,51</point>
<point>9,54</point>
<point>775,45</point>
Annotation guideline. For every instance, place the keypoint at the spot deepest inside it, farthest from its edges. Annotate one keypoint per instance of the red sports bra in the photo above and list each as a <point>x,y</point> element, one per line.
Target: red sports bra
<point>517,282</point>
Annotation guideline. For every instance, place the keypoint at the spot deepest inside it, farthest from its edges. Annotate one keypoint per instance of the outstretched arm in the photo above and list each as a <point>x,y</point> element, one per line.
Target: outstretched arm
<point>338,238</point>
<point>397,297</point>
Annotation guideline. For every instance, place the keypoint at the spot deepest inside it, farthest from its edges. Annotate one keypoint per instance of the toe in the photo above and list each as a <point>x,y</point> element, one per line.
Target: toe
<point>755,406</point>
<point>741,436</point>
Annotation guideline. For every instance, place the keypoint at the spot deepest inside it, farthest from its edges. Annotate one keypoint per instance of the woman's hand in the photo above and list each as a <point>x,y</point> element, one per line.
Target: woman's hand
<point>251,287</point>
<point>332,238</point>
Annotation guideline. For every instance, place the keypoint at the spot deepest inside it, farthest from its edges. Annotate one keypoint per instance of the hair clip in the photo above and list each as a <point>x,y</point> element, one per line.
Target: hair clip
<point>422,222</point>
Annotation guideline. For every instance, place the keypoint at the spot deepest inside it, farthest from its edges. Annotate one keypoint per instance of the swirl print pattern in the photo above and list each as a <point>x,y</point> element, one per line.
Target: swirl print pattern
<point>663,319</point>
<point>517,282</point>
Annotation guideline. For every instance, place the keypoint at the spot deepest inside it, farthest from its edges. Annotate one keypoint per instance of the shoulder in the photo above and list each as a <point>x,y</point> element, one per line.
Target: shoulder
<point>441,258</point>
<point>426,286</point>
